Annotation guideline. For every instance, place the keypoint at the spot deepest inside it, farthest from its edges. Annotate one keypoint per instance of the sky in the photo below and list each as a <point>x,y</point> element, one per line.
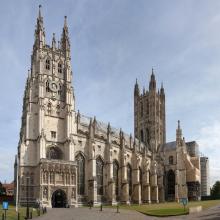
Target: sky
<point>113,43</point>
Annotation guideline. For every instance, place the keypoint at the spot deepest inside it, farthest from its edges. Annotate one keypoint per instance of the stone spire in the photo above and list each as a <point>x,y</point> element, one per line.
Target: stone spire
<point>152,84</point>
<point>39,31</point>
<point>65,42</point>
<point>136,89</point>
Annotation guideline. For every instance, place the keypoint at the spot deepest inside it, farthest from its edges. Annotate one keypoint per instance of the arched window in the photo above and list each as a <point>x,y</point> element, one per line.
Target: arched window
<point>47,86</point>
<point>99,175</point>
<point>142,109</point>
<point>80,174</point>
<point>140,178</point>
<point>129,178</point>
<point>142,136</point>
<point>54,153</point>
<point>47,66</point>
<point>147,136</point>
<point>49,108</point>
<point>171,160</point>
<point>60,68</point>
<point>171,185</point>
<point>115,176</point>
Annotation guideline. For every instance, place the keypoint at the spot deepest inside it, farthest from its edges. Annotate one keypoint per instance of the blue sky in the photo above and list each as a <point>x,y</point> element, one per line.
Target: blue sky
<point>113,43</point>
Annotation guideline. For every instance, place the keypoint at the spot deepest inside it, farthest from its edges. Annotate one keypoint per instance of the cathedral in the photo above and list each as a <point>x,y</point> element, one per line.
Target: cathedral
<point>67,159</point>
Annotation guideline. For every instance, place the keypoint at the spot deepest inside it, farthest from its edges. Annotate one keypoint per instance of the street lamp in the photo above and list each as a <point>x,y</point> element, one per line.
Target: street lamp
<point>27,195</point>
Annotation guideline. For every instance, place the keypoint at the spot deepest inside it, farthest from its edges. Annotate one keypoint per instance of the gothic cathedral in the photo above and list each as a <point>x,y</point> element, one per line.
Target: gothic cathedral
<point>65,158</point>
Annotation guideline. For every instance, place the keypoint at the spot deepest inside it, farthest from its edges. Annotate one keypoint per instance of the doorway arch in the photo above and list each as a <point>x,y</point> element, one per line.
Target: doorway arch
<point>59,199</point>
<point>171,185</point>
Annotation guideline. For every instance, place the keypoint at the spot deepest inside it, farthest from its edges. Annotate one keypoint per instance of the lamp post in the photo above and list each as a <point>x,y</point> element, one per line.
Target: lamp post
<point>27,195</point>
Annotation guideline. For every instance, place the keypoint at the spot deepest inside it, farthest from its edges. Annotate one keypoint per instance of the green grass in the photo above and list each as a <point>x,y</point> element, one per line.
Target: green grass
<point>169,208</point>
<point>12,215</point>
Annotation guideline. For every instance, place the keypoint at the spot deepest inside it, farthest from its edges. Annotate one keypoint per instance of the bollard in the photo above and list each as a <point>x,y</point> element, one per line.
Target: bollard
<point>90,205</point>
<point>18,216</point>
<point>3,216</point>
<point>101,207</point>
<point>31,215</point>
<point>45,209</point>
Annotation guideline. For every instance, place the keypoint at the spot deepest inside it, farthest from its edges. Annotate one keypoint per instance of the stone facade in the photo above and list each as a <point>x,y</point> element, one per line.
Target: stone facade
<point>65,157</point>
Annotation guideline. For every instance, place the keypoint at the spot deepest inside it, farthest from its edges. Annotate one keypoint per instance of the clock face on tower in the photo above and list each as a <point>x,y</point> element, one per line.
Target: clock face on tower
<point>53,86</point>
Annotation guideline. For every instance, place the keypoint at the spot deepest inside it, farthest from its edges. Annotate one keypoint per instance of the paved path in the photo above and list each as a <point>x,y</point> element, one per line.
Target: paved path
<point>110,214</point>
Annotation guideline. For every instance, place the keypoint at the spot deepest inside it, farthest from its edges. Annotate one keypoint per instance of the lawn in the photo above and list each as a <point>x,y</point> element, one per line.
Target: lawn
<point>169,208</point>
<point>12,215</point>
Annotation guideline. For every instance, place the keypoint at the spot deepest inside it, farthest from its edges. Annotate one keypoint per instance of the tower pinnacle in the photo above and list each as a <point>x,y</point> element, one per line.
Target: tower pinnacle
<point>65,42</point>
<point>152,84</point>
<point>39,31</point>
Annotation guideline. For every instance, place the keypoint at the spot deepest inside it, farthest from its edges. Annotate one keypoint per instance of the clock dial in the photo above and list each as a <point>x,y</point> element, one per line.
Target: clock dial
<point>53,86</point>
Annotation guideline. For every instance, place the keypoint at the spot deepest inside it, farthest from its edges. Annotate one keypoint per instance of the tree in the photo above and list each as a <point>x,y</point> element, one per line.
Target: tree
<point>2,190</point>
<point>216,189</point>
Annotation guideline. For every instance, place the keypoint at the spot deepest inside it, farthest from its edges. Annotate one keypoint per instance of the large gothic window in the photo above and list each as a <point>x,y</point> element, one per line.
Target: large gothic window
<point>142,136</point>
<point>140,178</point>
<point>80,174</point>
<point>129,178</point>
<point>147,136</point>
<point>115,176</point>
<point>171,185</point>
<point>99,175</point>
<point>54,153</point>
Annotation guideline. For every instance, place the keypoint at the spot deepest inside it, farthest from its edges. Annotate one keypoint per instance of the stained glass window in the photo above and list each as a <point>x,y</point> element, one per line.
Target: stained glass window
<point>129,178</point>
<point>99,175</point>
<point>80,174</point>
<point>115,176</point>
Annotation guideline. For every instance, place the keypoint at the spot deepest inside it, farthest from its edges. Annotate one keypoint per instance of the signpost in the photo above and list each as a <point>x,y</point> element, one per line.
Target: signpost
<point>5,208</point>
<point>184,201</point>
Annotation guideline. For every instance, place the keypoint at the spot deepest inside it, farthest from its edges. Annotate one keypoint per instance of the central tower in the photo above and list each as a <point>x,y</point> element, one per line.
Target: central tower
<point>149,115</point>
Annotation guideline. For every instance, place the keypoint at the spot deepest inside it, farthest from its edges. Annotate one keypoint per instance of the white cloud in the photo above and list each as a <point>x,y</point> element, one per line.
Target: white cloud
<point>209,143</point>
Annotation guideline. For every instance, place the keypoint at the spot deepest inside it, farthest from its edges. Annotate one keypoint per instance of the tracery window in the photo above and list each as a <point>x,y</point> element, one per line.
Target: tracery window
<point>147,136</point>
<point>80,174</point>
<point>99,175</point>
<point>129,178</point>
<point>115,176</point>
<point>142,109</point>
<point>54,153</point>
<point>140,178</point>
<point>142,136</point>
<point>47,64</point>
<point>60,68</point>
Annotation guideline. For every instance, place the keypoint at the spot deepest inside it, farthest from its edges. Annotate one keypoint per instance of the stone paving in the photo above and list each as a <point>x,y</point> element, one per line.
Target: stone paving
<point>110,214</point>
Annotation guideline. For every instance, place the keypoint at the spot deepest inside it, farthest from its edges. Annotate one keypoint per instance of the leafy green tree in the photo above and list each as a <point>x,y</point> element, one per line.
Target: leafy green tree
<point>216,189</point>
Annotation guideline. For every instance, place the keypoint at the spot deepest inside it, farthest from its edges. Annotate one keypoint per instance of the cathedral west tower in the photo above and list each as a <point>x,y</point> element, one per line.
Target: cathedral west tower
<point>48,120</point>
